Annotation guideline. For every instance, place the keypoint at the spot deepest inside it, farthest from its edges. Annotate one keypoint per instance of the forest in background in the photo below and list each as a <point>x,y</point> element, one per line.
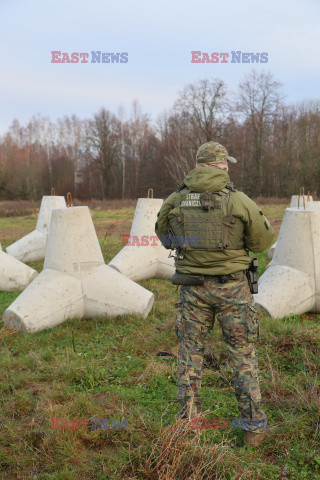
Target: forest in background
<point>109,156</point>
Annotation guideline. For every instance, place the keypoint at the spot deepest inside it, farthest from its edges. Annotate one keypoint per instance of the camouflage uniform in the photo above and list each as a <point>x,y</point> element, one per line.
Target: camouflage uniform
<point>233,306</point>
<point>231,302</point>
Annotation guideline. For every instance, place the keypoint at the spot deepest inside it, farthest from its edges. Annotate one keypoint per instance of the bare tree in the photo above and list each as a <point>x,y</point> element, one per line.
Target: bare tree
<point>136,131</point>
<point>71,132</point>
<point>122,150</point>
<point>278,145</point>
<point>178,152</point>
<point>198,116</point>
<point>259,98</point>
<point>204,105</point>
<point>103,148</point>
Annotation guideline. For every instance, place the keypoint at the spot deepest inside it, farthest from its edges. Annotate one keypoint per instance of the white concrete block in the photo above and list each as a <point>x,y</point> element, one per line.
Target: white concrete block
<point>291,284</point>
<point>144,261</point>
<point>122,297</point>
<point>31,248</point>
<point>52,298</point>
<point>304,201</point>
<point>15,276</point>
<point>271,251</point>
<point>75,281</point>
<point>301,201</point>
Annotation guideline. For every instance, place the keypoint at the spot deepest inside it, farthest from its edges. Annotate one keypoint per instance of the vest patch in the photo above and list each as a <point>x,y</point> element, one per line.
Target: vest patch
<point>204,219</point>
<point>191,200</point>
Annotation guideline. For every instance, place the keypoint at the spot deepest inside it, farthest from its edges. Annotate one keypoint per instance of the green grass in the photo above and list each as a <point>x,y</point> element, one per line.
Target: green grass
<point>274,210</point>
<point>121,214</point>
<point>13,223</point>
<point>109,368</point>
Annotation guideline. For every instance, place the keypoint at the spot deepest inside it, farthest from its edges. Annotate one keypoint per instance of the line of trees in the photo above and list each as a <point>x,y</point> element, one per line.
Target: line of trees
<point>277,145</point>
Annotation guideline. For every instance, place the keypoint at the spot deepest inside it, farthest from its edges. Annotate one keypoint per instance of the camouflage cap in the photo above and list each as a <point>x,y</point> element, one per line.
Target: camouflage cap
<point>213,152</point>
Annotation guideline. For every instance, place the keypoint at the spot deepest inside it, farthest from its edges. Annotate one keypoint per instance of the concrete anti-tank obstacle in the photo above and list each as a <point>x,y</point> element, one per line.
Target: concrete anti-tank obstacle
<point>291,284</point>
<point>15,276</point>
<point>297,201</point>
<point>32,247</point>
<point>145,257</point>
<point>75,281</point>
<point>271,251</point>
<point>301,201</point>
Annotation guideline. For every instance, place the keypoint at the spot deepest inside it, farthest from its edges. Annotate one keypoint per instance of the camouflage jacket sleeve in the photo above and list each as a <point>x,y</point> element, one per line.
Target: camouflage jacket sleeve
<point>258,233</point>
<point>162,223</point>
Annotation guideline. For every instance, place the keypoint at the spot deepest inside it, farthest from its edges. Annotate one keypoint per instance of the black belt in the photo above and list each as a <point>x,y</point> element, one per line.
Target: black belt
<point>194,279</point>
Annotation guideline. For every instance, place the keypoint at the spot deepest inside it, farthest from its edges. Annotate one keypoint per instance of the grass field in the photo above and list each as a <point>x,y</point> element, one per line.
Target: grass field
<point>108,368</point>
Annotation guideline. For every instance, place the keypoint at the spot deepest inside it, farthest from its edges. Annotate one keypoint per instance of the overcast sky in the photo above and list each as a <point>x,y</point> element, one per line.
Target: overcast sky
<point>159,38</point>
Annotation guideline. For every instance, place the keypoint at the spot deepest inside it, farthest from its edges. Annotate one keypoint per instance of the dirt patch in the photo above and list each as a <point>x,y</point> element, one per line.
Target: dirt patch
<point>11,235</point>
<point>109,228</point>
<point>38,388</point>
<point>313,317</point>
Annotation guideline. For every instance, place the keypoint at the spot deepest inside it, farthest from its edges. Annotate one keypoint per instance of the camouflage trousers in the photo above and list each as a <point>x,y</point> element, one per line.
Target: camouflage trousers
<point>232,304</point>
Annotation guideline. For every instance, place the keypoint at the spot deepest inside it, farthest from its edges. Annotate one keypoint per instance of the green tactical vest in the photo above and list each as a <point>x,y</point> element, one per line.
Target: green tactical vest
<point>200,221</point>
